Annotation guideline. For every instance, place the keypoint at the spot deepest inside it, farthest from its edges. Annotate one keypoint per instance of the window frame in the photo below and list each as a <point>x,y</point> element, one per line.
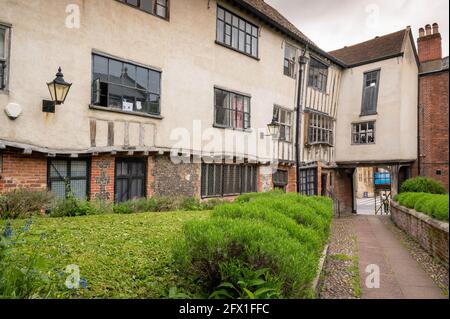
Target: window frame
<point>69,161</point>
<point>324,127</point>
<point>129,177</point>
<point>313,82</point>
<point>287,126</point>
<point>229,109</point>
<point>282,182</point>
<point>239,30</point>
<point>291,65</point>
<point>308,187</point>
<point>365,111</point>
<point>221,190</point>
<point>154,7</point>
<point>367,131</point>
<point>5,61</point>
<point>94,104</point>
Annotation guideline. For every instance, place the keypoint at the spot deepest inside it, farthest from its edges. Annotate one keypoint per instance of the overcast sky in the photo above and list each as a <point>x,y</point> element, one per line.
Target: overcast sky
<point>333,24</point>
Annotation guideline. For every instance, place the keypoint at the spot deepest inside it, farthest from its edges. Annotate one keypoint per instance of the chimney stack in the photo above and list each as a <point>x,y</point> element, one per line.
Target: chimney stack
<point>430,43</point>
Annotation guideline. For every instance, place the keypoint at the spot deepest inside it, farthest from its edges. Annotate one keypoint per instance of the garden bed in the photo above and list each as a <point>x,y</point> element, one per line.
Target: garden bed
<point>119,256</point>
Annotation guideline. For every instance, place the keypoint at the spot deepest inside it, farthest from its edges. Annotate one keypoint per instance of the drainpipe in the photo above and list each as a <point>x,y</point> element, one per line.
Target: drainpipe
<point>303,60</point>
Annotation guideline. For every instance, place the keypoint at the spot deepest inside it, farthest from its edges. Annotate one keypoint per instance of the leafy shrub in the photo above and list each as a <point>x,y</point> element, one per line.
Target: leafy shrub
<point>123,208</point>
<point>209,245</point>
<point>240,282</point>
<point>422,185</point>
<point>71,207</point>
<point>253,210</point>
<point>24,203</point>
<point>433,205</point>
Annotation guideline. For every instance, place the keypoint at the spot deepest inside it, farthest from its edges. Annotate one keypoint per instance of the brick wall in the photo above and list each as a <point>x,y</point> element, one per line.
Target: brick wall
<point>433,126</point>
<point>170,179</point>
<point>102,178</point>
<point>22,171</point>
<point>431,234</point>
<point>343,180</point>
<point>292,180</point>
<point>430,47</point>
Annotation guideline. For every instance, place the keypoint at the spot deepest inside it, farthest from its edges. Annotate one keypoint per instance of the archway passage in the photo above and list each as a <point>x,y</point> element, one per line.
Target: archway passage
<point>366,188</point>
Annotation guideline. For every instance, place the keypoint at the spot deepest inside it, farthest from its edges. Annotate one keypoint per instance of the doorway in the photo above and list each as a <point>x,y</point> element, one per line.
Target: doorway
<point>130,179</point>
<point>372,190</point>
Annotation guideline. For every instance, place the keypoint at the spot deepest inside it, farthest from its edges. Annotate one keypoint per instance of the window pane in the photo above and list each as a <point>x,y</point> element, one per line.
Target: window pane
<point>115,71</point>
<point>220,13</point>
<point>129,75</point>
<point>2,43</point>
<point>142,79</point>
<point>146,5</point>
<point>59,189</point>
<point>161,11</point>
<point>154,104</point>
<point>58,169</point>
<point>78,169</point>
<point>220,31</point>
<point>78,188</point>
<point>155,82</point>
<point>100,68</point>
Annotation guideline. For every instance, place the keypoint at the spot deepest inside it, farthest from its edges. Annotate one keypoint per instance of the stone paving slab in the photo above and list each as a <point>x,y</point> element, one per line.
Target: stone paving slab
<point>401,277</point>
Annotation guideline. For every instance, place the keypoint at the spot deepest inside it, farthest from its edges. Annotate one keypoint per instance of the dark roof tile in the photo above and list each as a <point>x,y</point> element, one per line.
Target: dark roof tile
<point>372,50</point>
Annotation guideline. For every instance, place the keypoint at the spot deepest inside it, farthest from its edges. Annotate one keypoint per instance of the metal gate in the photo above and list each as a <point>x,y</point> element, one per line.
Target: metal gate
<point>383,192</point>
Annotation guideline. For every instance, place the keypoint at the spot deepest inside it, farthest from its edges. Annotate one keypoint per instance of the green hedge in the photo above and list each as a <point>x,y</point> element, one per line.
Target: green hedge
<point>422,185</point>
<point>284,233</point>
<point>433,205</point>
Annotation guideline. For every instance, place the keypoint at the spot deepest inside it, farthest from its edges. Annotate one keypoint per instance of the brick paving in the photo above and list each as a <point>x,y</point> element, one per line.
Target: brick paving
<point>406,271</point>
<point>401,275</point>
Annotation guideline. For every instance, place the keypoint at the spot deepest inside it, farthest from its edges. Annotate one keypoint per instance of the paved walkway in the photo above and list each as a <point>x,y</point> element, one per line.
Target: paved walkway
<point>401,275</point>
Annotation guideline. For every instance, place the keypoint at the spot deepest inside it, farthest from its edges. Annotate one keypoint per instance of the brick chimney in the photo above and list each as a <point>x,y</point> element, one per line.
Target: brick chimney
<point>429,43</point>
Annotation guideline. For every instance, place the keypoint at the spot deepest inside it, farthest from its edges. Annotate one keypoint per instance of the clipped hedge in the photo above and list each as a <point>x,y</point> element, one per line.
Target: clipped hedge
<point>433,205</point>
<point>284,233</point>
<point>422,185</point>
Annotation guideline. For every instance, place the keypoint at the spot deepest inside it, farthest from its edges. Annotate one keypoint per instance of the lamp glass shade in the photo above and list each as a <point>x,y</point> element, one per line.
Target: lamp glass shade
<point>58,88</point>
<point>274,128</point>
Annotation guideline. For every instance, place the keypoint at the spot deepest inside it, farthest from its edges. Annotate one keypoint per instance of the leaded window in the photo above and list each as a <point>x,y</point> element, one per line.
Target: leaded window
<point>219,180</point>
<point>124,86</point>
<point>130,179</point>
<point>363,133</point>
<point>155,7</point>
<point>318,75</point>
<point>320,130</point>
<point>236,32</point>
<point>370,92</point>
<point>67,176</point>
<point>284,119</point>
<point>232,110</point>
<point>290,53</point>
<point>4,55</point>
<point>308,182</point>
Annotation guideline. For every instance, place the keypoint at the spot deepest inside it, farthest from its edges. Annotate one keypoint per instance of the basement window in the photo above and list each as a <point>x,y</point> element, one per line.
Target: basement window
<point>280,179</point>
<point>363,133</point>
<point>220,180</point>
<point>68,176</point>
<point>159,8</point>
<point>125,87</point>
